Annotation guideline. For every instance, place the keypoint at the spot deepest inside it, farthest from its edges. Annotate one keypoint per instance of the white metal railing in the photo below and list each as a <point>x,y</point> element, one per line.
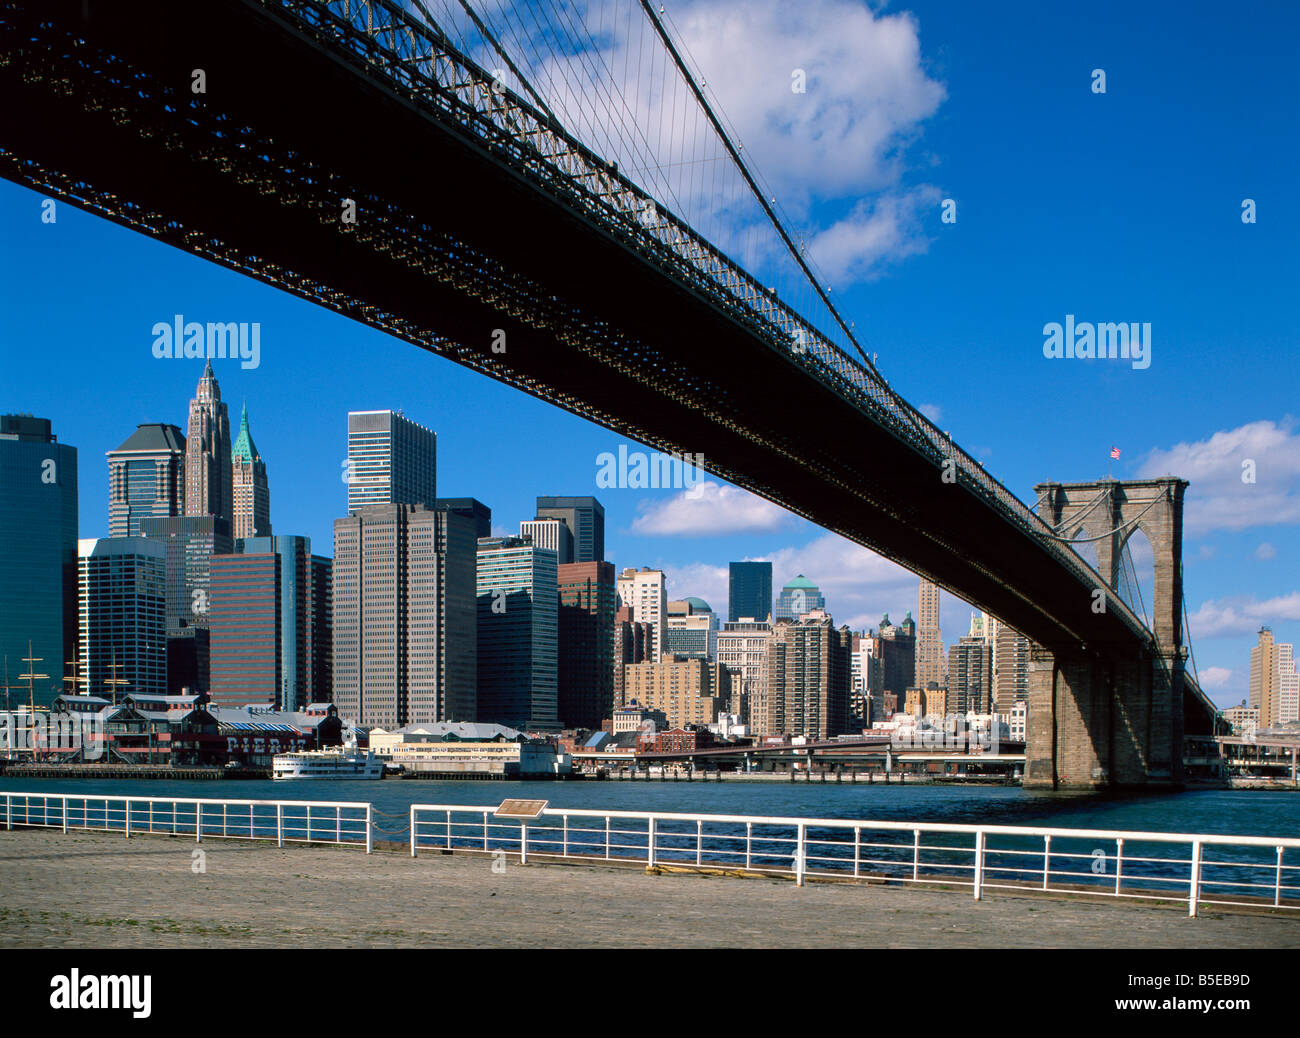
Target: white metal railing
<point>284,821</point>
<point>1195,869</point>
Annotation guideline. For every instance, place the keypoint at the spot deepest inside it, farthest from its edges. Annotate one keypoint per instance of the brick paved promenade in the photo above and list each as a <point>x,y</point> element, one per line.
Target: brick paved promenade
<point>98,890</point>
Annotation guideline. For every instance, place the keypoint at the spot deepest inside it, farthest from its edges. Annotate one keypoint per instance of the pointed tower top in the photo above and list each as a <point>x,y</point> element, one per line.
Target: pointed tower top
<point>244,448</point>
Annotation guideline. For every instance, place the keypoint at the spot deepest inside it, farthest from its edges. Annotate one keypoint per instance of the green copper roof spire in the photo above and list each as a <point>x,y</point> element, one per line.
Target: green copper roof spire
<point>244,448</point>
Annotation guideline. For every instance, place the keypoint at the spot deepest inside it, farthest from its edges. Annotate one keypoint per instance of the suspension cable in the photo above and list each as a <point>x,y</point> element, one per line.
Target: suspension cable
<point>753,185</point>
<point>1110,533</point>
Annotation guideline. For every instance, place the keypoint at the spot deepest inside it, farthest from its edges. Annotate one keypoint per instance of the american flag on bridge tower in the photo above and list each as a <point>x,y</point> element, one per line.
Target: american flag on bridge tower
<point>1114,453</point>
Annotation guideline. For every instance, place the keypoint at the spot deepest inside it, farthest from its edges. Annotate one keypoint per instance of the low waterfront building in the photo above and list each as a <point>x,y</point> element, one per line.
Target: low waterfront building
<point>468,748</point>
<point>634,717</point>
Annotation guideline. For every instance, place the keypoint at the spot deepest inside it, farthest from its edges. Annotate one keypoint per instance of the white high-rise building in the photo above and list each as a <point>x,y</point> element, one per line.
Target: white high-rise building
<point>645,592</point>
<point>1288,699</point>
<point>391,460</point>
<point>551,534</point>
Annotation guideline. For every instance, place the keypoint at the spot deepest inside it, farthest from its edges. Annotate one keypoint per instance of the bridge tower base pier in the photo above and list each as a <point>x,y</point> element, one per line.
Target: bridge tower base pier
<point>1097,724</point>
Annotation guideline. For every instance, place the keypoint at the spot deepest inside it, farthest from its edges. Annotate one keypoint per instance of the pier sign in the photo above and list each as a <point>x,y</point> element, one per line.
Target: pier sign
<point>521,808</point>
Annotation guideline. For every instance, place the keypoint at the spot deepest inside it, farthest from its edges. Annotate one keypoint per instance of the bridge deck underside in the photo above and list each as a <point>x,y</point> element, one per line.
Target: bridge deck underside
<point>453,242</point>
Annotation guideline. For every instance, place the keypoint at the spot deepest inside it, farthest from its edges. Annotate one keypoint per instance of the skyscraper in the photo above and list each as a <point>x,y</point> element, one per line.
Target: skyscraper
<point>970,676</point>
<point>1288,700</point>
<point>207,452</point>
<point>897,650</point>
<point>269,625</point>
<point>251,493</point>
<point>585,516</point>
<point>391,460</point>
<point>631,643</point>
<point>742,649</point>
<point>189,542</point>
<point>585,694</point>
<point>38,549</point>
<point>123,605</point>
<point>808,672</point>
<point>645,592</point>
<point>798,597</point>
<point>749,591</point>
<point>146,478</point>
<point>929,639</point>
<point>403,609</point>
<point>1010,667</point>
<point>247,634</point>
<point>1266,679</point>
<point>518,634</point>
<point>471,507</point>
<point>550,533</point>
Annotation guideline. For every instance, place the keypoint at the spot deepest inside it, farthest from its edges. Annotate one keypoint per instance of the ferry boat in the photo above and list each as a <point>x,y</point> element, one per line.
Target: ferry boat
<point>345,763</point>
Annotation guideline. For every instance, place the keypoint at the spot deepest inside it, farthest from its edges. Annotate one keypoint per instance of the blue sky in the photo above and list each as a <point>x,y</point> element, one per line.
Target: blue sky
<point>1122,206</point>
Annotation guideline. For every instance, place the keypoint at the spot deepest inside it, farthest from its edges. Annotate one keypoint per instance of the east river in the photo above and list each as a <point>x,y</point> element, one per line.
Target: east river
<point>1234,812</point>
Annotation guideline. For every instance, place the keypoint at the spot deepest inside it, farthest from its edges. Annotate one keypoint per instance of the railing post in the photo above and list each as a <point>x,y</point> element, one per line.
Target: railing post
<point>412,828</point>
<point>1119,862</point>
<point>150,815</point>
<point>1277,886</point>
<point>279,824</point>
<point>699,842</point>
<point>485,836</point>
<point>799,856</point>
<point>128,818</point>
<point>564,838</point>
<point>1194,893</point>
<point>65,814</point>
<point>979,863</point>
<point>9,820</point>
<point>370,839</point>
<point>523,843</point>
<point>448,830</point>
<point>749,840</point>
<point>650,844</point>
<point>607,837</point>
<point>338,825</point>
<point>916,855</point>
<point>1047,858</point>
<point>857,848</point>
<point>198,821</point>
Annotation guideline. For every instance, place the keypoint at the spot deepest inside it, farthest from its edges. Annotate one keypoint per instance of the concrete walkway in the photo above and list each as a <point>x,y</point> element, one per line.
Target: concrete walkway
<point>98,890</point>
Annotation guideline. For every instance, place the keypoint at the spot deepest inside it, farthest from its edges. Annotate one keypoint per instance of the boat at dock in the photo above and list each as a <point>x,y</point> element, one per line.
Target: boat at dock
<point>343,763</point>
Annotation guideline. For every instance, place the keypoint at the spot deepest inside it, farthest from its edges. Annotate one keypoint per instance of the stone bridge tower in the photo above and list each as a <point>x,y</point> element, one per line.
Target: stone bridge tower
<point>1096,721</point>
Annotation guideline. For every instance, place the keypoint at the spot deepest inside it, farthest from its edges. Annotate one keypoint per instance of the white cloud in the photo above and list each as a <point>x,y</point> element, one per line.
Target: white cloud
<point>857,247</point>
<point>1242,614</point>
<point>710,509</point>
<point>1265,552</point>
<point>867,89</point>
<point>1215,677</point>
<point>842,140</point>
<point>932,411</point>
<point>702,580</point>
<point>1242,477</point>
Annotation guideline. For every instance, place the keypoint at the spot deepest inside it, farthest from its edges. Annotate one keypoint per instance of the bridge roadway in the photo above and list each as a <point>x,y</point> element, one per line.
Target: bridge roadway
<point>463,230</point>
